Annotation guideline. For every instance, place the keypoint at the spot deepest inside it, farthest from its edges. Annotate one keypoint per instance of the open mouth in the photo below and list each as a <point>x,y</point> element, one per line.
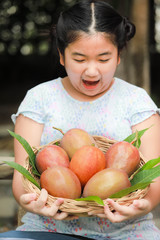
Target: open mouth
<point>90,83</point>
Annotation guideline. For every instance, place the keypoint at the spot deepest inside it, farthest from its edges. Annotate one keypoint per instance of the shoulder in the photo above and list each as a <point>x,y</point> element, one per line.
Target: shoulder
<point>37,101</point>
<point>135,103</point>
<point>48,85</point>
<point>132,93</point>
<point>41,95</point>
<point>45,91</point>
<point>127,87</point>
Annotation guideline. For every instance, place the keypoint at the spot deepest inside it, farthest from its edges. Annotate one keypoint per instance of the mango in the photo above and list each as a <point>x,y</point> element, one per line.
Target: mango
<point>50,156</point>
<point>74,139</point>
<point>61,182</point>
<point>123,155</point>
<point>87,161</point>
<point>106,182</point>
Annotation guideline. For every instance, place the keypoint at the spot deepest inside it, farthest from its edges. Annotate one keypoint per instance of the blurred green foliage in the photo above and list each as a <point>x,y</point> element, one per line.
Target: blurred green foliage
<point>23,24</point>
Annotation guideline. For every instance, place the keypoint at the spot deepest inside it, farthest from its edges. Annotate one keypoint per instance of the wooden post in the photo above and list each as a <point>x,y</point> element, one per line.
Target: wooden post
<point>135,64</point>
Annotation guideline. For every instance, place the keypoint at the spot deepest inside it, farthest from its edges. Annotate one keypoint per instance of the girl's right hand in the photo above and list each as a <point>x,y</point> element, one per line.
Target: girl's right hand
<point>38,206</point>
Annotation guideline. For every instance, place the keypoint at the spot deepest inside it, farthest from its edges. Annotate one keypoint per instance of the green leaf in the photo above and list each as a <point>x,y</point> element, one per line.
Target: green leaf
<point>23,171</point>
<point>132,137</point>
<point>28,149</point>
<point>150,164</point>
<point>126,191</point>
<point>137,143</point>
<point>146,175</point>
<point>92,199</point>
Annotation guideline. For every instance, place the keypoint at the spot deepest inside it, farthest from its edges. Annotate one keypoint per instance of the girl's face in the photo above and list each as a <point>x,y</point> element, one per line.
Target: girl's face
<point>90,63</point>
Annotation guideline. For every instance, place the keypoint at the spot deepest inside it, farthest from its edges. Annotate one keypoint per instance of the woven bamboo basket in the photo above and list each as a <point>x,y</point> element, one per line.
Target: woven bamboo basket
<point>82,208</point>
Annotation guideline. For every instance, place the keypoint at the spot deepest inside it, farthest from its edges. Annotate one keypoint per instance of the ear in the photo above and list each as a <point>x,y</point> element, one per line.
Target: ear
<point>118,60</point>
<point>61,58</point>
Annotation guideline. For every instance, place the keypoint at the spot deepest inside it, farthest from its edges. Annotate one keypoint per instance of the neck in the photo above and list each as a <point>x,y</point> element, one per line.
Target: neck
<point>80,96</point>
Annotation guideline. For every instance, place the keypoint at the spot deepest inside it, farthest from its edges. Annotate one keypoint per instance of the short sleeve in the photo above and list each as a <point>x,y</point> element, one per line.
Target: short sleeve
<point>158,111</point>
<point>141,106</point>
<point>31,106</point>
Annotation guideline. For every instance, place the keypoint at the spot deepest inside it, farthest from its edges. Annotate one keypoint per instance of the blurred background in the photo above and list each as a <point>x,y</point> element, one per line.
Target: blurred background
<point>27,59</point>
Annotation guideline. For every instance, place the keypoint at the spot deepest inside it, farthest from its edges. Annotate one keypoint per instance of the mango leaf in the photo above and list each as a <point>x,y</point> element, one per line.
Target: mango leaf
<point>23,171</point>
<point>137,143</point>
<point>150,164</point>
<point>92,199</point>
<point>28,149</point>
<point>146,175</point>
<point>126,191</point>
<point>133,137</point>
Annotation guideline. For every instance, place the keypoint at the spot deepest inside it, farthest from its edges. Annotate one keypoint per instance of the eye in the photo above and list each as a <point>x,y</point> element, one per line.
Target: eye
<point>103,60</point>
<point>78,60</point>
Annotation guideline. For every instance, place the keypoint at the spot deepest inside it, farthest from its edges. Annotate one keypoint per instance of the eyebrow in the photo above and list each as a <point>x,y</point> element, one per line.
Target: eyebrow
<point>79,54</point>
<point>105,53</point>
<point>83,55</point>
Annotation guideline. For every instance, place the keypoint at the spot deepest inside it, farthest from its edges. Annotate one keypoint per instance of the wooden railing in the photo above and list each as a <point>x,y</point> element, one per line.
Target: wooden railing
<point>6,173</point>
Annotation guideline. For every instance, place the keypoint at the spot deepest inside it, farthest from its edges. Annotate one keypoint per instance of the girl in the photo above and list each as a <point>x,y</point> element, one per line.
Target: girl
<point>90,37</point>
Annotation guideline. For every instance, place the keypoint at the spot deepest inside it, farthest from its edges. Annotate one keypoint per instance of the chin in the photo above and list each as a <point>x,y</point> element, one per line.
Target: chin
<point>92,94</point>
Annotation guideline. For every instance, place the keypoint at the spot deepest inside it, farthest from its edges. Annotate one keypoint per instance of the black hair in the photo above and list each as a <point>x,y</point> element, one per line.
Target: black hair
<point>92,16</point>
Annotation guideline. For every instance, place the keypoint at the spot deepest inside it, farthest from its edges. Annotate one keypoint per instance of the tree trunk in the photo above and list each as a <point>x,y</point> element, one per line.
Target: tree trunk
<point>135,65</point>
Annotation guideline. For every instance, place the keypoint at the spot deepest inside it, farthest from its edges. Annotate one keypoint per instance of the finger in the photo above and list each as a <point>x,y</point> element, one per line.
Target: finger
<point>27,198</point>
<point>122,209</point>
<point>141,204</point>
<point>114,217</point>
<point>108,213</point>
<point>60,216</point>
<point>59,201</point>
<point>71,218</point>
<point>41,201</point>
<point>55,206</point>
<point>95,212</point>
<point>101,215</point>
<point>52,211</point>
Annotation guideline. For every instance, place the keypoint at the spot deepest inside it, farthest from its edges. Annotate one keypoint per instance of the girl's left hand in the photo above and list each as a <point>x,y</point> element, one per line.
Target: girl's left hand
<point>122,213</point>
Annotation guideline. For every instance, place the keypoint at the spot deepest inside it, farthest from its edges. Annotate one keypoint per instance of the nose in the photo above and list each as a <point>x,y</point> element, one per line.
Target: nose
<point>91,70</point>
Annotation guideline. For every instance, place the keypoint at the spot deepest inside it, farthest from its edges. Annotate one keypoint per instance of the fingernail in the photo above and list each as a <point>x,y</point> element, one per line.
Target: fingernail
<point>44,190</point>
<point>33,196</point>
<point>135,202</point>
<point>60,200</point>
<point>109,200</point>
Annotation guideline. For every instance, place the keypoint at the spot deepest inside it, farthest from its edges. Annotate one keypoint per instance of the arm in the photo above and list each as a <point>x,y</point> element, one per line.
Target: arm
<point>31,131</point>
<point>150,148</point>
